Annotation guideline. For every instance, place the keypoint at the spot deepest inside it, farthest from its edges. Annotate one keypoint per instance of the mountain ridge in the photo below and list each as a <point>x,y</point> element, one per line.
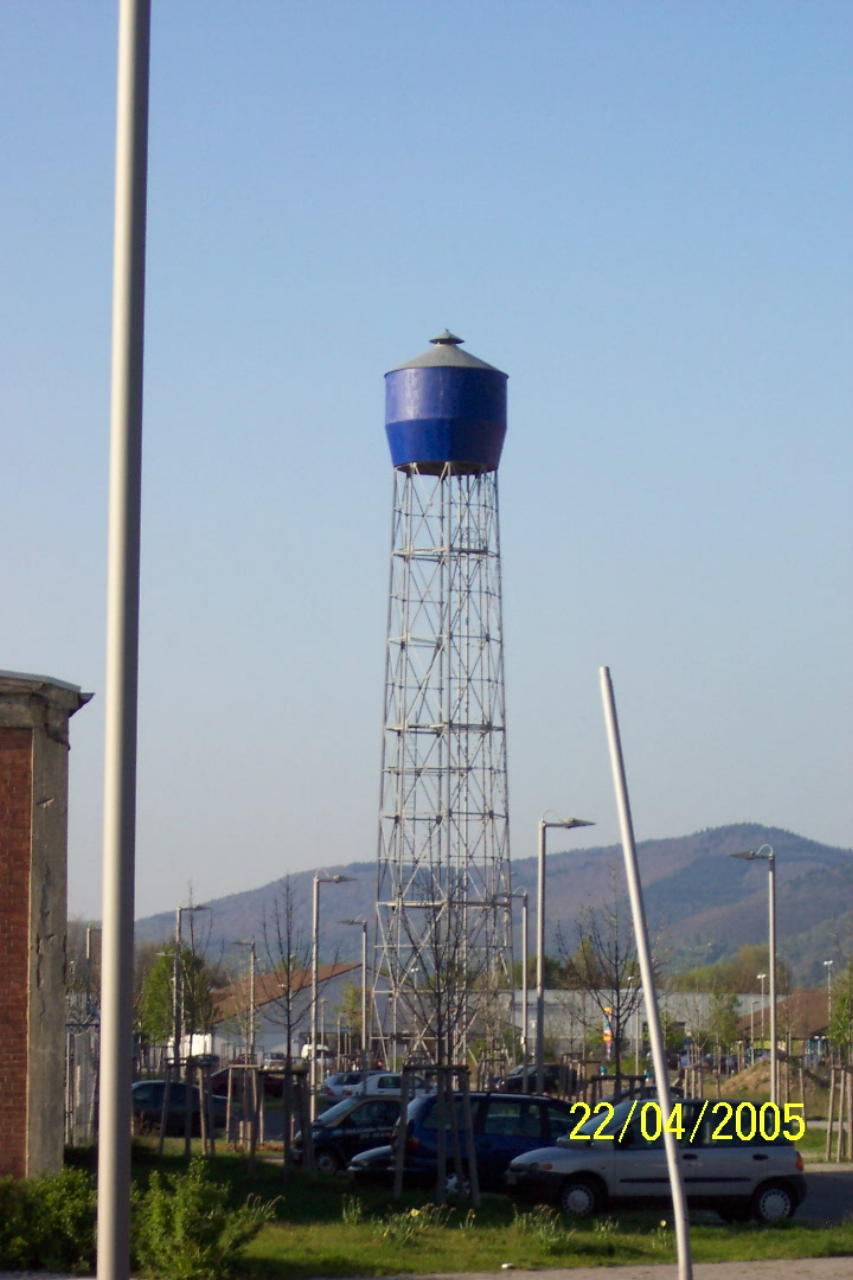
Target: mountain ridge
<point>700,906</point>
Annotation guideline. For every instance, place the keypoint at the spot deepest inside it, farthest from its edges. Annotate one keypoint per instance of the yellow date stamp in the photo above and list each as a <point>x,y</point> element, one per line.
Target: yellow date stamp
<point>691,1122</point>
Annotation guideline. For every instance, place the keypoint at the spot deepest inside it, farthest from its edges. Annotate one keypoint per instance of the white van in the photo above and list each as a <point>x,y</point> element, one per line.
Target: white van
<point>324,1053</point>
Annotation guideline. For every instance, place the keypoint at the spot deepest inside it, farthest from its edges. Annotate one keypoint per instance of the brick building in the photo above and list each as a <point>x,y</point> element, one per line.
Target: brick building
<point>34,715</point>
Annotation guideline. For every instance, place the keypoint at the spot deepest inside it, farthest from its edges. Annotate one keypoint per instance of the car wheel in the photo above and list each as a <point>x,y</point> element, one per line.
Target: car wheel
<point>457,1184</point>
<point>326,1161</point>
<point>773,1202</point>
<point>580,1198</point>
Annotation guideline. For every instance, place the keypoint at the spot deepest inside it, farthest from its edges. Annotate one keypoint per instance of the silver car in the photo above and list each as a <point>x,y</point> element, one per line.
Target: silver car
<point>617,1157</point>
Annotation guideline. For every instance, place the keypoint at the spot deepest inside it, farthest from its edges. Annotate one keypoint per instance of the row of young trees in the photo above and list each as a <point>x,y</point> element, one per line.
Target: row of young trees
<point>599,960</point>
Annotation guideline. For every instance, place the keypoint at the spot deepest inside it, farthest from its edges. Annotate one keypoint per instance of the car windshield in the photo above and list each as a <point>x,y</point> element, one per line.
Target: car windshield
<point>335,1113</point>
<point>605,1121</point>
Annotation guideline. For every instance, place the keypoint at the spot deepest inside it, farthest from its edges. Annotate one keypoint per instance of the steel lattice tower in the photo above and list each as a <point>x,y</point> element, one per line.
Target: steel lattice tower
<point>444,936</point>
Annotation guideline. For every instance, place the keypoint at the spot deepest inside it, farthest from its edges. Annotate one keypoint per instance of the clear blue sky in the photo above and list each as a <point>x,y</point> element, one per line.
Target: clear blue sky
<point>641,211</point>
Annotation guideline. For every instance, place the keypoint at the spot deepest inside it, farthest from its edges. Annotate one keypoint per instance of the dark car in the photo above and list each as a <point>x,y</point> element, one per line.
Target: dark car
<point>147,1107</point>
<point>555,1079</point>
<point>349,1127</point>
<point>505,1125</point>
<point>270,1080</point>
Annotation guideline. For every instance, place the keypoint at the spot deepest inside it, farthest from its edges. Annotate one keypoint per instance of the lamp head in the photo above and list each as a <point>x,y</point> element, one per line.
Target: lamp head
<point>763,852</point>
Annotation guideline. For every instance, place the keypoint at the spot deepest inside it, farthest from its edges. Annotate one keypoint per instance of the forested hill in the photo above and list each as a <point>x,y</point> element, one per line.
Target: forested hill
<point>701,904</point>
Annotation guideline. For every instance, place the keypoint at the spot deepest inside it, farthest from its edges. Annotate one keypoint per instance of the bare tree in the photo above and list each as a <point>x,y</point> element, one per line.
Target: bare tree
<point>446,986</point>
<point>603,963</point>
<point>288,951</point>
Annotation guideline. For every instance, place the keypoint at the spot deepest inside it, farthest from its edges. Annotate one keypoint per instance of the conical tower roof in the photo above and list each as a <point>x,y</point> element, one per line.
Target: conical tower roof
<point>445,352</point>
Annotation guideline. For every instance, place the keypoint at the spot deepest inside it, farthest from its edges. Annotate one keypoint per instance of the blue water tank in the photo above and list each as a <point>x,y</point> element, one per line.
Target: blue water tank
<point>443,408</point>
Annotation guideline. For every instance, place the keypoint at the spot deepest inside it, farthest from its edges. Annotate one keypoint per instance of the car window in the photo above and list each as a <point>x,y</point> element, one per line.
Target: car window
<point>512,1118</point>
<point>375,1113</point>
<point>559,1122</point>
<point>333,1114</point>
<point>430,1117</point>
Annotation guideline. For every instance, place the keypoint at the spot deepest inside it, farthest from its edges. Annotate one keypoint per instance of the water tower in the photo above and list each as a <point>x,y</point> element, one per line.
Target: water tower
<point>443,952</point>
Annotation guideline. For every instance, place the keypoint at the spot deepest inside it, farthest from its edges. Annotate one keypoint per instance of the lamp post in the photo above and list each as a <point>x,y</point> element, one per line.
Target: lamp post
<point>631,979</point>
<point>567,824</point>
<point>765,853</point>
<point>315,936</point>
<point>362,924</point>
<point>762,978</point>
<point>827,964</point>
<point>178,1020</point>
<point>525,1012</point>
<point>177,985</point>
<point>753,1003</point>
<point>253,963</point>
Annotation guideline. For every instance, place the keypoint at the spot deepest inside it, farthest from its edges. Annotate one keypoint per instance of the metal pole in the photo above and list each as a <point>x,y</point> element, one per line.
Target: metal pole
<point>540,958</point>
<point>364,995</point>
<point>525,1013</point>
<point>252,972</point>
<point>176,994</point>
<point>635,893</point>
<point>312,1063</point>
<point>771,884</point>
<point>122,640</point>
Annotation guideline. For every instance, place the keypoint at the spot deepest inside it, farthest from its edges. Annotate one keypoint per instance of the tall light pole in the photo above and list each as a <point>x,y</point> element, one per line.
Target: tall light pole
<point>253,968</point>
<point>362,924</point>
<point>525,1011</point>
<point>177,984</point>
<point>632,978</point>
<point>827,964</point>
<point>567,824</point>
<point>765,853</point>
<point>315,942</point>
<point>753,1003</point>
<point>762,978</point>
<point>122,639</point>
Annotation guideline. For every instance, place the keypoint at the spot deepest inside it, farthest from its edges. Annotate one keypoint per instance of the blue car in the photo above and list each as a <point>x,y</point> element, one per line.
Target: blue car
<point>505,1125</point>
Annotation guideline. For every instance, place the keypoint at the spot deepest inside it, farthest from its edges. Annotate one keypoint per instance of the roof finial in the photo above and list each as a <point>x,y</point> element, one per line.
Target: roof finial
<point>446,338</point>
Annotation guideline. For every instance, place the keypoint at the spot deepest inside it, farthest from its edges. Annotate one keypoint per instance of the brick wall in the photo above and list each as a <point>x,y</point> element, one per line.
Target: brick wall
<point>16,756</point>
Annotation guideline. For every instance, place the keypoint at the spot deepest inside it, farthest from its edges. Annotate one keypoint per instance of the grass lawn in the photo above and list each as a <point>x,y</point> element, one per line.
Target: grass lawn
<point>324,1228</point>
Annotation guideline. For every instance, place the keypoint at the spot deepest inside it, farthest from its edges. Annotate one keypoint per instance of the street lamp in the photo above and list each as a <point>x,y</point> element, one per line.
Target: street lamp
<point>567,824</point>
<point>253,961</point>
<point>178,1018</point>
<point>764,853</point>
<point>761,978</point>
<point>827,964</point>
<point>362,924</point>
<point>631,979</point>
<point>525,1014</point>
<point>315,935</point>
<point>177,993</point>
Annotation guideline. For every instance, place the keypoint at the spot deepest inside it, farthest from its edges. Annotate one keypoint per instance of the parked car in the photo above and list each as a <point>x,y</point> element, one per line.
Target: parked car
<point>556,1079</point>
<point>350,1126</point>
<point>324,1053</point>
<point>389,1084</point>
<point>504,1126</point>
<point>272,1082</point>
<point>147,1107</point>
<point>341,1084</point>
<point>616,1164</point>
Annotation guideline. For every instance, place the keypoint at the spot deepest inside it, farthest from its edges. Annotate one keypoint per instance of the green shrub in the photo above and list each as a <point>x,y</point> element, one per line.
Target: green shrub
<point>48,1223</point>
<point>185,1229</point>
